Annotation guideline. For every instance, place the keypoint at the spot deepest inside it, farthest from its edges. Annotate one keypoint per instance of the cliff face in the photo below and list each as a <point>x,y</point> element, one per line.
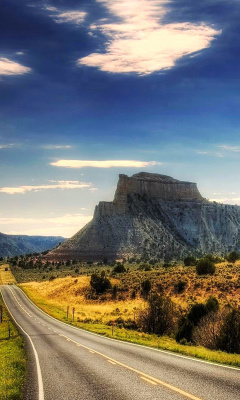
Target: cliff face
<point>155,186</point>
<point>156,216</point>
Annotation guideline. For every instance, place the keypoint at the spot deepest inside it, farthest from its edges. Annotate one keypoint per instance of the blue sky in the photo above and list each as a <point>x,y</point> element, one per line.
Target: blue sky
<point>93,88</point>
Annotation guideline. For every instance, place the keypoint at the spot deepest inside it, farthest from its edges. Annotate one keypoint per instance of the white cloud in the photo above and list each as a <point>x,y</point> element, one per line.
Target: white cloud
<point>211,153</point>
<point>6,146</point>
<point>48,8</point>
<point>75,17</point>
<point>235,149</point>
<point>228,200</point>
<point>56,147</point>
<point>8,67</point>
<point>65,225</point>
<point>103,164</point>
<point>54,185</point>
<point>141,42</point>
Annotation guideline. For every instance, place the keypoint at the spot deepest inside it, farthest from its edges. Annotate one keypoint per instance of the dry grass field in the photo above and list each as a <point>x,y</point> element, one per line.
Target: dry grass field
<point>72,292</point>
<point>224,284</point>
<point>6,276</point>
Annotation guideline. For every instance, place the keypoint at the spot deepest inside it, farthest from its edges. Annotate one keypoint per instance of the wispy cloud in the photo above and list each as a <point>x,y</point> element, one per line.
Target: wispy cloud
<point>235,149</point>
<point>8,67</point>
<point>141,42</point>
<point>72,16</point>
<point>76,17</point>
<point>227,200</point>
<point>6,146</point>
<point>103,164</point>
<point>63,185</point>
<point>211,153</point>
<point>65,225</point>
<point>56,147</point>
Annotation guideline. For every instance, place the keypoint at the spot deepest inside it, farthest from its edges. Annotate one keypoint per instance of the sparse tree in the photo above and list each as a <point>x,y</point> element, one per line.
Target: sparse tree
<point>207,333</point>
<point>158,317</point>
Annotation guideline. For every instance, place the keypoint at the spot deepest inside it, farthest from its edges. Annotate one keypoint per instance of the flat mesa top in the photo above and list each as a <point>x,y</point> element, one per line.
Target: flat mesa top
<point>147,176</point>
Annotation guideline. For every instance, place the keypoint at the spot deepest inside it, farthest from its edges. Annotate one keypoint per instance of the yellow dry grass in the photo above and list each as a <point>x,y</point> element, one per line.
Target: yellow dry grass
<point>69,291</point>
<point>6,276</point>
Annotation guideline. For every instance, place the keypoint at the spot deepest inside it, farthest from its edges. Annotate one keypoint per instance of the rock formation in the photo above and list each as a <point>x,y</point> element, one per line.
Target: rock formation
<point>155,216</point>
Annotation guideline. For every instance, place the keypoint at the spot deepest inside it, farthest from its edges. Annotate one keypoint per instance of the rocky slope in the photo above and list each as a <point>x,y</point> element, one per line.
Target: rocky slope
<point>155,216</point>
<point>15,245</point>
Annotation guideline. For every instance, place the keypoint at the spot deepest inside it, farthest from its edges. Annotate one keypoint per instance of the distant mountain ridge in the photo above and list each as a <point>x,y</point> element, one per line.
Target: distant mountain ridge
<point>155,216</point>
<point>15,245</point>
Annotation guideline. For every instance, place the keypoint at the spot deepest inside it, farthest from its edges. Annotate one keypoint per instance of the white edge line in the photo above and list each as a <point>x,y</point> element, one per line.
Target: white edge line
<point>39,373</point>
<point>132,344</point>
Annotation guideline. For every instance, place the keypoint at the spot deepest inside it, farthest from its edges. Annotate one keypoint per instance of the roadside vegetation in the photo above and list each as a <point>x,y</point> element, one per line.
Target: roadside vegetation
<point>169,306</point>
<point>191,307</point>
<point>12,356</point>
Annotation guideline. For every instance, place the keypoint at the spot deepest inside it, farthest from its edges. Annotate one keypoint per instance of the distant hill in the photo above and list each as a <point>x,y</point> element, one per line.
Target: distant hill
<point>154,216</point>
<point>15,245</point>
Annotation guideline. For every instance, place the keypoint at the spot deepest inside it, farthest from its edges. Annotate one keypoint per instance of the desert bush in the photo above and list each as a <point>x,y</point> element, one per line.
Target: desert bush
<point>119,269</point>
<point>180,286</point>
<point>114,292</point>
<point>229,339</point>
<point>207,333</point>
<point>189,261</point>
<point>100,283</point>
<point>232,257</point>
<point>146,287</point>
<point>187,322</point>
<point>184,331</point>
<point>212,304</point>
<point>205,266</point>
<point>158,317</point>
<point>197,311</point>
<point>133,294</point>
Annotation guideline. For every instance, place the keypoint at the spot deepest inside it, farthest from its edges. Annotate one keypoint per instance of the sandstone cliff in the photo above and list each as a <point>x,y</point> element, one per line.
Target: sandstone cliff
<point>155,216</point>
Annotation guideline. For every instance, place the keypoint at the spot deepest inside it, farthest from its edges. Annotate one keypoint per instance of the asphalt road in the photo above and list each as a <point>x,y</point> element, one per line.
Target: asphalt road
<point>66,363</point>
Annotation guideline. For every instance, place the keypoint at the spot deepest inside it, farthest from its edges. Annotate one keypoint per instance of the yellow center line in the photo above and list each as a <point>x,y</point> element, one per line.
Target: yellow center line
<point>148,380</point>
<point>111,362</point>
<point>143,375</point>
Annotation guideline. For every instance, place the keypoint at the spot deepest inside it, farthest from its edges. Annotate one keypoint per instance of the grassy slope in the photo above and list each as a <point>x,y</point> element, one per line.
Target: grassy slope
<point>54,297</point>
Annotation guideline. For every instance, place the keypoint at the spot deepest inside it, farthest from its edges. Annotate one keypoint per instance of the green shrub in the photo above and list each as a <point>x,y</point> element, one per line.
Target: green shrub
<point>230,333</point>
<point>158,317</point>
<point>146,287</point>
<point>232,257</point>
<point>197,311</point>
<point>212,304</point>
<point>205,266</point>
<point>184,331</point>
<point>100,283</point>
<point>119,269</point>
<point>189,261</point>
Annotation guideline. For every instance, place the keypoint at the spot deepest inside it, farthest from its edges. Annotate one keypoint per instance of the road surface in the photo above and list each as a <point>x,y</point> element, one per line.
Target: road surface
<point>66,363</point>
